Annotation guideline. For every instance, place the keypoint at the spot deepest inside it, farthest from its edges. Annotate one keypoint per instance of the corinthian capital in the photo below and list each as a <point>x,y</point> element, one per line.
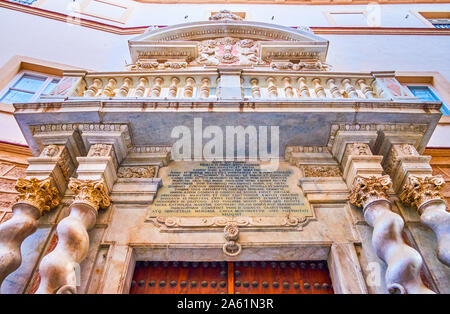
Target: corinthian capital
<point>91,192</point>
<point>368,189</point>
<point>419,190</point>
<point>38,193</point>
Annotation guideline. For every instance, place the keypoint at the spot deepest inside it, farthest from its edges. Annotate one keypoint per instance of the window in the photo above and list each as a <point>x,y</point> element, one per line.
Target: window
<point>435,19</point>
<point>440,23</point>
<point>426,94</point>
<point>28,87</point>
<point>25,2</point>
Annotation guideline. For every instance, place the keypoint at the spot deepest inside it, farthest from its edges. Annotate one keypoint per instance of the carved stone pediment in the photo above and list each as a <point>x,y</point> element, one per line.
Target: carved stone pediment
<point>226,39</point>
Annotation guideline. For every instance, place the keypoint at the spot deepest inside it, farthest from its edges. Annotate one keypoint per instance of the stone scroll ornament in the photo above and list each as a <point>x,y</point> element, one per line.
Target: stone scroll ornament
<point>403,262</point>
<point>58,268</point>
<point>231,246</point>
<point>424,194</point>
<point>35,197</point>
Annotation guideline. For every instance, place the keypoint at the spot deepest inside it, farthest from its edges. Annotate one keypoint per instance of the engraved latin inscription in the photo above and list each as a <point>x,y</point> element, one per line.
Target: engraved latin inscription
<point>229,189</point>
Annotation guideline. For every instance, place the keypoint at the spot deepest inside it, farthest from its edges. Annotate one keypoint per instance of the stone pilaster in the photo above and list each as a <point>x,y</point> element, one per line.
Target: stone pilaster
<point>370,191</point>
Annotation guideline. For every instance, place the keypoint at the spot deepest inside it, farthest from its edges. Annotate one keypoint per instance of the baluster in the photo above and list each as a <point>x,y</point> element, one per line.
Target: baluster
<point>272,88</point>
<point>288,90</point>
<point>189,88</point>
<point>351,91</point>
<point>156,90</point>
<point>204,89</point>
<point>256,91</point>
<point>303,88</point>
<point>57,269</point>
<point>334,90</point>
<point>108,91</point>
<point>365,89</point>
<point>125,88</point>
<point>318,88</point>
<point>93,88</point>
<point>35,197</point>
<point>173,89</point>
<point>140,90</point>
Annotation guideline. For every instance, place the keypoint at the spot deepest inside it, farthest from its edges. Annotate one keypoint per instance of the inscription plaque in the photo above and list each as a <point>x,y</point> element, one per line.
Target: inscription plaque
<point>209,189</point>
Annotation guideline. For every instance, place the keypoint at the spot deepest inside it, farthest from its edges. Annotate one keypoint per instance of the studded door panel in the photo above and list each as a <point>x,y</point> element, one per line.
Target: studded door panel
<point>180,278</point>
<point>287,277</point>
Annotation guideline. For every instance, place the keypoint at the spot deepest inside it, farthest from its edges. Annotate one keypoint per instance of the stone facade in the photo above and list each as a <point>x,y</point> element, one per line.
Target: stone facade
<point>345,139</point>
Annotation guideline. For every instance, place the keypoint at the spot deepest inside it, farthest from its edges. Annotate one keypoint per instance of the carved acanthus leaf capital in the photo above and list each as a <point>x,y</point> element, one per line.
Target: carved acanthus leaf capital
<point>368,189</point>
<point>38,193</point>
<point>419,190</point>
<point>91,192</point>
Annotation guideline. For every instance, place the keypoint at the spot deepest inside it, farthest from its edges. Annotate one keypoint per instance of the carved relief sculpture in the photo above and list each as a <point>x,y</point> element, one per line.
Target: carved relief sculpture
<point>424,194</point>
<point>136,172</point>
<point>403,262</point>
<point>321,171</point>
<point>231,246</point>
<point>225,15</point>
<point>35,197</point>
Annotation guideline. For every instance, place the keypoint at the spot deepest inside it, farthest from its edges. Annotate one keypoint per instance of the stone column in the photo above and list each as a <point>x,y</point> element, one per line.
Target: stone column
<point>370,191</point>
<point>417,187</point>
<point>96,174</point>
<point>35,197</point>
<point>41,191</point>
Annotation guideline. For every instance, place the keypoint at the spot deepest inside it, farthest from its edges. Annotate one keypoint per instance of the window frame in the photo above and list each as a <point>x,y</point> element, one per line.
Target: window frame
<point>36,95</point>
<point>446,111</point>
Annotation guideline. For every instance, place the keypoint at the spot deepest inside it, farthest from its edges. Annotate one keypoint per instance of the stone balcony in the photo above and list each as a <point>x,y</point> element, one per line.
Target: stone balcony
<point>252,85</point>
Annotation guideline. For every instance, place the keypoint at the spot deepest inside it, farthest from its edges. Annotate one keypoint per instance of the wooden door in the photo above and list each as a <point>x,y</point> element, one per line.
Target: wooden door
<point>286,277</point>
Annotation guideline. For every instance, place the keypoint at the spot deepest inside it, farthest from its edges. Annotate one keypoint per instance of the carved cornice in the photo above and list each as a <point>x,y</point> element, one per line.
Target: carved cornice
<point>368,189</point>
<point>38,193</point>
<point>91,192</point>
<point>418,190</point>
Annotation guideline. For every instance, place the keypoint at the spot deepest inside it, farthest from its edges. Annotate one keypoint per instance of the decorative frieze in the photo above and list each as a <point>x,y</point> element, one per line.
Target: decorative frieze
<point>321,171</point>
<point>136,172</point>
<point>91,192</point>
<point>99,150</point>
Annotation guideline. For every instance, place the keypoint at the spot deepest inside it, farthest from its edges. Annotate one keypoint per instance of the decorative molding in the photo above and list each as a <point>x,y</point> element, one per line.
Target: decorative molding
<point>225,15</point>
<point>321,171</point>
<point>37,193</point>
<point>403,127</point>
<point>367,190</point>
<point>189,223</point>
<point>137,172</point>
<point>90,192</point>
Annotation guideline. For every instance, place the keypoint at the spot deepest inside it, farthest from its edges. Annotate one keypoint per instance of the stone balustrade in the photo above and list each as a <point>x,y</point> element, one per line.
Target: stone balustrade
<point>310,87</point>
<point>161,86</point>
<point>245,84</point>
